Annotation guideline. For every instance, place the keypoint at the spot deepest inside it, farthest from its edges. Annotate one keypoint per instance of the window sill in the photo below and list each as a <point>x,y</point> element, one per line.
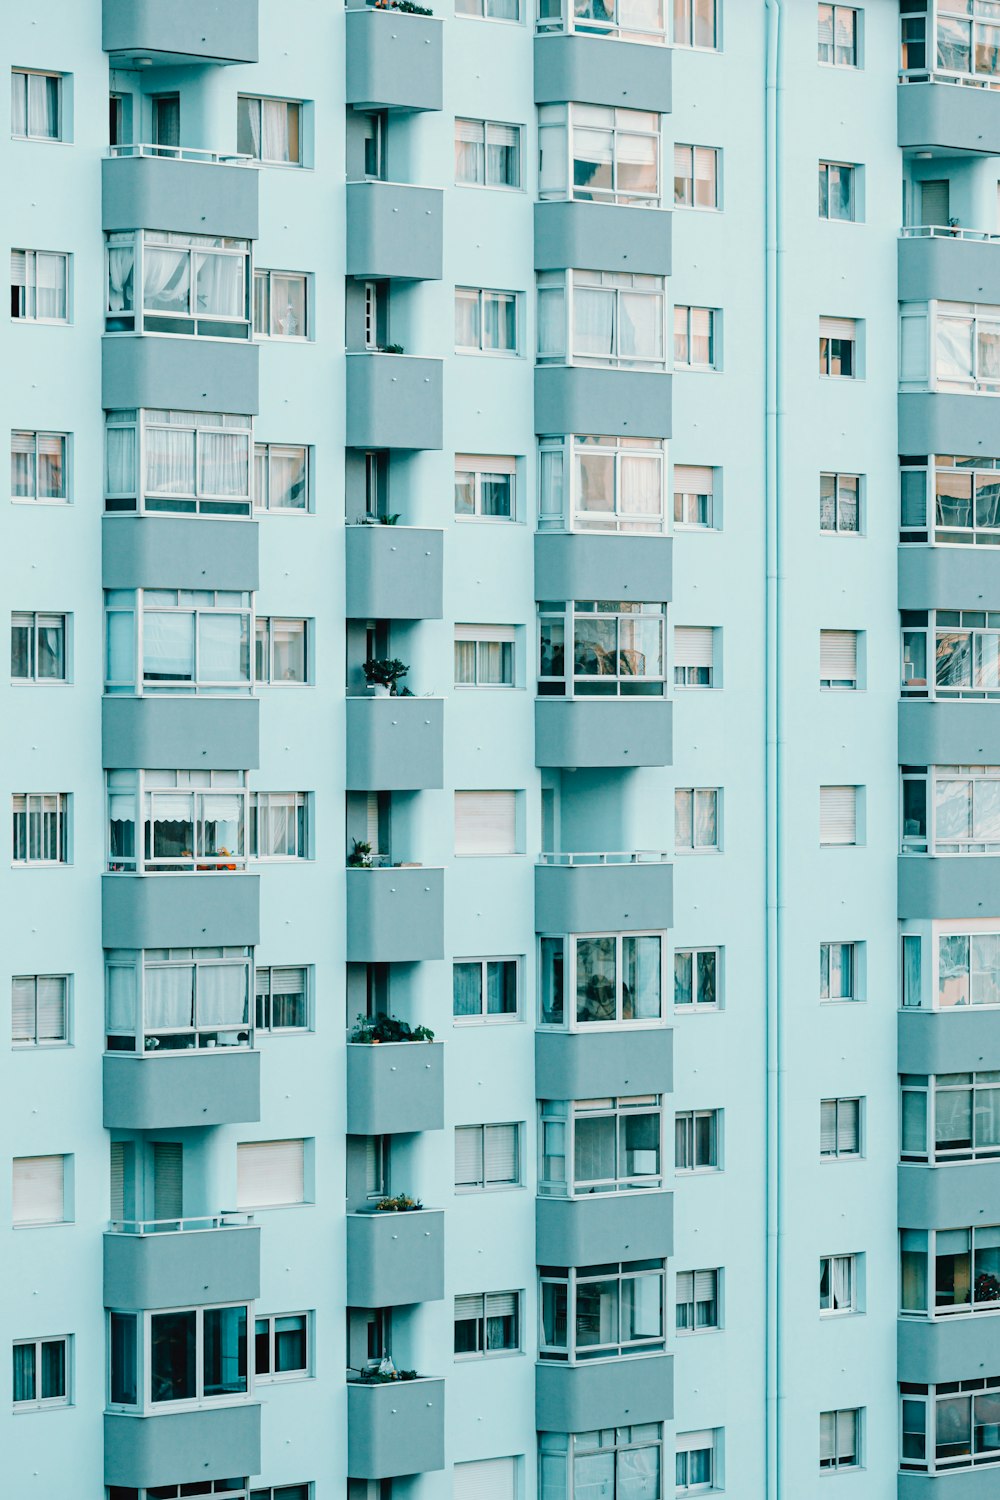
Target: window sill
<point>493,187</point>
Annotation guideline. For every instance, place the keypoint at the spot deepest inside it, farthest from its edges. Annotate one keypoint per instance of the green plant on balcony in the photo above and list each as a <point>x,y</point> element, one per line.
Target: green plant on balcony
<point>392,348</point>
<point>375,1029</point>
<point>385,675</point>
<point>384,1373</point>
<point>406,6</point>
<point>361,857</point>
<point>389,520</point>
<point>402,1203</point>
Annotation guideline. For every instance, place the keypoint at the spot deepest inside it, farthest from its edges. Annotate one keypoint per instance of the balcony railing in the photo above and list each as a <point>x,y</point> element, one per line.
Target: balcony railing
<point>185,153</point>
<point>627,857</point>
<point>225,1220</point>
<point>945,232</point>
<point>967,80</point>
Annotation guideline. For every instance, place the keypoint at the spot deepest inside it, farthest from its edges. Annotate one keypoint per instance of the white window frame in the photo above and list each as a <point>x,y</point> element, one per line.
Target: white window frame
<point>849,643</point>
<point>30,285</point>
<point>62,465</point>
<point>848,1152</point>
<point>260,100</point>
<point>485,1016</point>
<point>65,1002</point>
<point>264,999</point>
<point>927,1398</point>
<point>830,505</point>
<point>480,637</point>
<point>933,475</point>
<point>564,1451</point>
<point>263,301</point>
<point>562,287</point>
<point>980,629</point>
<point>825,168</point>
<point>828,968</point>
<point>685,28</point>
<point>485,127</point>
<point>686,1132</point>
<point>568,944</point>
<point>558,125</point>
<point>145,788</point>
<point>297,805</point>
<point>301,1157</point>
<point>573,1278</point>
<point>924,1244</point>
<point>840,343</point>
<point>849,1269</point>
<point>40,1402</point>
<point>132,315</point>
<point>26,133</point>
<point>263,454</point>
<point>574,615</point>
<point>687,160</point>
<point>503,299</point>
<point>40,809</point>
<point>65,1177</point>
<point>853,1449</point>
<point>484,1184</point>
<point>932,777</point>
<point>479,10</point>
<point>271,1376</point>
<point>128,981</point>
<point>687,1301</point>
<point>480,468</point>
<point>264,638</point>
<point>930,1088</point>
<point>697,1006</point>
<point>561,489</point>
<point>835,12</point>
<point>855,840</point>
<point>613,21</point>
<point>689,503</point>
<point>482,1319</point>
<point>685,337</point>
<point>705,1441</point>
<point>144,1404</point>
<point>696,795</point>
<point>690,640</point>
<point>33,621</point>
<point>132,609</point>
<point>139,497</point>
<point>558,1121</point>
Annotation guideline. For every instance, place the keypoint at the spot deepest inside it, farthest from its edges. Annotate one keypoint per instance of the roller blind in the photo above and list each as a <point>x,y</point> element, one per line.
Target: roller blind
<point>39,1190</point>
<point>501,1304</point>
<point>371,822</point>
<point>18,264</point>
<point>848,1138</point>
<point>485,822</point>
<point>704,1286</point>
<point>51,1002</point>
<point>688,1442</point>
<point>828,1127</point>
<point>168,1180</point>
<point>485,463</point>
<point>501,1153</point>
<point>838,328</point>
<point>503,135</point>
<point>692,479</point>
<point>838,814</point>
<point>486,1479</point>
<point>23,1009</point>
<point>682,161</point>
<point>838,655</point>
<point>484,633</point>
<point>470,131</point>
<point>693,645</point>
<point>270,1173</point>
<point>468,1155</point>
<point>468,1307</point>
<point>934,202</point>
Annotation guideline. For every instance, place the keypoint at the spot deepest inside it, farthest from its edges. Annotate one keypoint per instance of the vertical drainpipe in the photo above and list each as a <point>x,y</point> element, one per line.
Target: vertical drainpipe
<point>775,728</point>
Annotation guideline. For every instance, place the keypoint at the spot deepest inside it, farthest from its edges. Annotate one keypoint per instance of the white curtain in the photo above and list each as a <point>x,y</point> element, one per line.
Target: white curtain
<point>166,279</point>
<point>120,1002</point>
<point>43,105</point>
<point>986,969</point>
<point>640,335</point>
<point>169,461</point>
<point>641,485</point>
<point>223,648</point>
<point>22,464</point>
<point>594,1476</point>
<point>550,504</point>
<point>168,645</point>
<point>168,997</point>
<point>467,320</point>
<point>224,464</point>
<point>120,476</point>
<point>288,306</point>
<point>551,321</point>
<point>841,1281</point>
<point>248,126</point>
<point>641,979</point>
<point>219,285</point>
<point>18,103</point>
<point>50,283</point>
<point>987,1117</point>
<point>954,349</point>
<point>499,330</point>
<point>639,1474</point>
<point>593,163</point>
<point>986,810</point>
<point>275,836</point>
<point>222,995</point>
<point>470,159</point>
<point>276,141</point>
<point>287,487</point>
<point>594,322</point>
<point>594,1150</point>
<point>465,663</point>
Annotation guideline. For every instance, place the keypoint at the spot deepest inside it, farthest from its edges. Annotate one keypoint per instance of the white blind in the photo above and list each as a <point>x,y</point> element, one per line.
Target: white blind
<point>693,645</point>
<point>281,981</point>
<point>168,1180</point>
<point>485,463</point>
<point>39,1194</point>
<point>269,1173</point>
<point>692,479</point>
<point>838,655</point>
<point>838,328</point>
<point>484,632</point>
<point>51,1000</point>
<point>503,135</point>
<point>470,131</point>
<point>23,1009</point>
<point>468,1155</point>
<point>838,814</point>
<point>934,205</point>
<point>685,1286</point>
<point>485,822</point>
<point>18,263</point>
<point>704,1286</point>
<point>688,1442</point>
<point>828,1126</point>
<point>373,1165</point>
<point>468,1307</point>
<point>847,1125</point>
<point>682,161</point>
<point>486,1479</point>
<point>501,1304</point>
<point>371,817</point>
<point>501,1153</point>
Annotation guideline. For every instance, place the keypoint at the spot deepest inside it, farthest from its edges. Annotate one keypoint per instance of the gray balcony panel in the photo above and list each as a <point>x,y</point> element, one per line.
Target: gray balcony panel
<point>179,374</point>
<point>945,734</point>
<point>394,1087</point>
<point>183,31</point>
<point>395,572</point>
<point>961,886</point>
<point>395,915</point>
<point>395,1429</point>
<point>946,115</point>
<point>181,734</point>
<point>942,1349</point>
<point>592,565</point>
<point>195,197</point>
<point>941,1197</point>
<point>393,400</point>
<point>394,61</point>
<point>598,1063</point>
<point>395,744</point>
<point>623,403</point>
<point>395,1258</point>
<point>948,1041</point>
<point>603,732</point>
<point>179,552</point>
<point>603,898</point>
<point>972,1484</point>
<point>181,1447</point>
<point>601,70</point>
<point>605,1393</point>
<point>395,231</point>
<point>948,268</point>
<point>949,577</point>
<point>212,1086</point>
<point>602,237</point>
<point>182,1268</point>
<point>603,1227</point>
<point>180,911</point>
<point>943,422</point>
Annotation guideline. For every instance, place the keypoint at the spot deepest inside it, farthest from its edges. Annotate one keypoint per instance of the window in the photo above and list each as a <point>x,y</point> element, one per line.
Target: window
<point>697,978</point>
<point>838,816</point>
<point>485,321</point>
<point>39,1010</point>
<point>950,1427</point>
<point>951,1117</point>
<point>838,36</point>
<point>966,41</point>
<point>177,999</point>
<point>596,154</point>
<point>281,305</point>
<point>836,191</point>
<point>487,1157</point>
<point>187,641</point>
<point>601,483</point>
<point>489,10</point>
<point>697,1469</point>
<point>965,646</point>
<point>166,112</point>
<point>38,648</point>
<point>630,20</point>
<point>696,332</point>
<point>610,979</point>
<point>270,1174</point>
<point>163,821</point>
<point>838,971</point>
<point>281,654</point>
<point>840,1431</point>
<point>694,655</point>
<point>484,487</point>
<point>697,825</point>
<point>601,1312</point>
<point>484,656</point>
<point>486,823</point>
<point>178,462</point>
<point>615,648</point>
<point>280,477</point>
<point>963,340</point>
<point>840,503</point>
<point>485,989</point>
<point>38,469</point>
<point>41,1373</point>
<point>950,809</point>
<point>910,966</point>
<point>838,348</point>
<point>697,1140</point>
<point>281,1346</point>
<point>487,1479</point>
<point>230,1489</point>
<point>838,1284</point>
<point>958,1269</point>
<point>35,105</point>
<point>39,1191</point>
<point>39,283</point>
<point>968,969</point>
<point>191,1354</point>
<point>282,999</point>
<point>694,498</point>
<point>487,1324</point>
<point>168,282</point>
<point>270,130</point>
<point>838,659</point>
<point>696,176</point>
<point>697,1301</point>
<point>610,319</point>
<point>696,24</point>
<point>280,1492</point>
<point>279,825</point>
<point>839,1128</point>
<point>600,1145</point>
<point>567,1462</point>
<point>487,154</point>
<point>40,828</point>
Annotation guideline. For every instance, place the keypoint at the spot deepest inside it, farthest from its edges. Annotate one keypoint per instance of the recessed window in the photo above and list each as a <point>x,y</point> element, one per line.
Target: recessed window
<point>591,1146</point>
<point>694,656</point>
<point>694,498</point>
<point>281,1346</point>
<point>38,469</point>
<point>281,305</point>
<point>486,823</point>
<point>837,43</point>
<point>39,286</point>
<point>487,1157</point>
<point>41,1373</point>
<point>270,1174</point>
<point>602,1311</point>
<point>950,1117</point>
<point>278,825</point>
<point>281,477</point>
<point>39,1191</point>
<point>178,463</point>
<point>485,989</point>
<point>484,487</point>
<point>269,130</point>
<point>964,646</point>
<point>697,825</point>
<point>38,647</point>
<point>838,1284</point>
<point>696,24</point>
<point>840,503</point>
<point>697,979</point>
<point>35,105</point>
<point>838,816</point>
<point>696,338</point>
<point>837,197</point>
<point>697,1462</point>
<point>40,828</point>
<point>838,971</point>
<point>604,978</point>
<point>282,998</point>
<point>945,498</point>
<point>487,1323</point>
<point>484,656</point>
<point>840,1438</point>
<point>697,1301</point>
<point>838,659</point>
<point>697,1140</point>
<point>838,348</point>
<point>696,176</point>
<point>39,1010</point>
<point>281,654</point>
<point>958,1270</point>
<point>485,321</point>
<point>487,154</point>
<point>597,154</point>
<point>839,1128</point>
<point>163,821</point>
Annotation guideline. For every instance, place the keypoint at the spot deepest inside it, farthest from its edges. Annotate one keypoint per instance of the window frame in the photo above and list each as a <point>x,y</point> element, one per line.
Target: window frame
<point>651,1270</point>
<point>695,847</point>
<point>930,778</point>
<point>854,950</point>
<point>503,298</point>
<point>139,604</point>
<point>695,954</point>
<point>688,42</point>
<point>148,1039</point>
<point>264,637</point>
<point>562,463</point>
<point>574,615</point>
<point>142,1355</point>
<point>852,1306</point>
<point>137,785</point>
<point>62,812</point>
<point>465,12</point>
<point>262,299</point>
<point>563,118</point>
<point>856,37</point>
<point>474,465</point>
<point>855,1153</point>
<point>486,1185</point>
<point>62,466</point>
<point>686,1137</point>
<point>690,1328</point>
<point>30,287</point>
<point>855,1459</point>
<point>59,136</point>
<point>485,1017</point>
<point>66,980</point>
<point>559,1453</point>
<point>559,1119</point>
<point>706,1440</point>
<point>484,182</point>
<point>835,500</point>
<point>825,168</point>
<point>135,498</point>
<point>565,972</point>
<point>928,1398</point>
<point>686,197</point>
<point>685,501</point>
<point>508,644</point>
<point>561,288</point>
<point>33,621</point>
<point>979,475</point>
<point>482,1320</point>
<point>840,356</point>
<point>928,1276</point>
<point>682,351</point>
<point>42,1402</point>
<point>262,456</point>
<point>134,317</point>
<point>936,627</point>
<point>299,824</point>
<point>264,1012</point>
<point>298,105</point>
<point>271,1376</point>
<point>927,1086</point>
<point>566,20</point>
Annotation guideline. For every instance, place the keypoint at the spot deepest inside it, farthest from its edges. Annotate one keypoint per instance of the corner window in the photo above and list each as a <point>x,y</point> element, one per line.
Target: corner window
<point>588,482</point>
<point>38,648</point>
<point>484,487</point>
<point>839,1128</point>
<point>181,640</point>
<point>603,978</point>
<point>485,321</point>
<point>697,824</point>
<point>40,828</point>
<point>489,10</point>
<point>596,154</point>
<point>177,463</point>
<point>38,468</point>
<point>41,1373</point>
<point>951,1426</point>
<point>837,44</point>
<point>487,154</point>
<point>697,979</point>
<point>697,1140</point>
<point>600,649</point>
<point>950,809</point>
<point>161,1000</point>
<point>950,499</point>
<point>591,1146</point>
<point>35,105</point>
<point>968,969</point>
<point>838,1284</point>
<point>187,1354</point>
<point>610,319</point>
<point>628,20</point>
<point>958,1269</point>
<point>567,1460</point>
<point>269,130</point>
<point>167,282</point>
<point>485,989</point>
<point>950,1117</point>
<point>39,286</point>
<point>696,338</point>
<point>964,645</point>
<point>487,1323</point>
<point>281,305</point>
<point>163,822</point>
<point>696,176</point>
<point>601,1312</point>
<point>281,477</point>
<point>40,1010</point>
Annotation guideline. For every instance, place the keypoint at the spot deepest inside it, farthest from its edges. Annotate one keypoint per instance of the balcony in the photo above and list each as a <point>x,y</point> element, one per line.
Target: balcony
<point>394,1429</point>
<point>394,60</point>
<point>610,732</point>
<point>631,1059</point>
<point>168,552</point>
<point>630,892</point>
<point>186,31</point>
<point>961,885</point>
<point>162,733</point>
<point>944,115</point>
<point>942,733</point>
<point>622,403</point>
<point>395,231</point>
<point>183,1447</point>
<point>958,1040</point>
<point>395,915</point>
<point>171,373</point>
<point>960,1347</point>
<point>604,1227</point>
<point>393,400</point>
<point>395,744</point>
<point>182,1263</point>
<point>171,1090</point>
<point>604,1393</point>
<point>602,237</point>
<point>180,911</point>
<point>395,572</point>
<point>394,1087</point>
<point>601,565</point>
<point>176,188</point>
<point>953,265</point>
<point>933,1197</point>
<point>395,1258</point>
<point>601,70</point>
<point>934,577</point>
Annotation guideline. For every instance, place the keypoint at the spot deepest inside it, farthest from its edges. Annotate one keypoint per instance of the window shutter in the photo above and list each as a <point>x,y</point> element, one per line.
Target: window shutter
<point>685,1286</point>
<point>692,1442</point>
<point>827,1436</point>
<point>484,633</point>
<point>692,479</point>
<point>468,1155</point>
<point>485,822</point>
<point>270,1173</point>
<point>23,1009</point>
<point>704,1286</point>
<point>486,1479</point>
<point>373,1165</point>
<point>503,135</point>
<point>838,814</point>
<point>847,1125</point>
<point>39,1193</point>
<point>371,817</point>
<point>838,655</point>
<point>168,1180</point>
<point>501,1155</point>
<point>501,1304</point>
<point>838,328</point>
<point>682,161</point>
<point>288,981</point>
<point>18,268</point>
<point>471,132</point>
<point>693,646</point>
<point>468,1307</point>
<point>934,202</point>
<point>828,1127</point>
<point>117,1180</point>
<point>51,1008</point>
<point>485,463</point>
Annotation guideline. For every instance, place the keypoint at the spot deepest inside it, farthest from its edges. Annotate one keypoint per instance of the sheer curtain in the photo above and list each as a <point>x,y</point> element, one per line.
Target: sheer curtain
<point>223,995</point>
<point>986,810</point>
<point>120,992</point>
<point>954,349</point>
<point>22,464</point>
<point>470,151</point>
<point>953,1118</point>
<point>248,127</point>
<point>467,989</point>
<point>50,284</point>
<point>168,997</point>
<point>166,279</point>
<point>120,461</point>
<point>841,1280</point>
<point>467,333</point>
<point>551,322</point>
<point>593,322</point>
<point>641,486</point>
<point>641,979</point>
<point>43,106</point>
<point>987,1117</point>
<point>639,1474</point>
<point>594,1476</point>
<point>121,278</point>
<point>220,285</point>
<point>169,461</point>
<point>593,162</point>
<point>279,135</point>
<point>640,335</point>
<point>224,464</point>
<point>223,648</point>
<point>168,646</point>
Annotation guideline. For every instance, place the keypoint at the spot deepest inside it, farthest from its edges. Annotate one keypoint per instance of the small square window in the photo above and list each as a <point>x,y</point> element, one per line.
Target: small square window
<point>840,1128</point>
<point>485,321</point>
<point>838,659</point>
<point>696,176</point>
<point>694,656</point>
<point>40,1010</point>
<point>695,498</point>
<point>38,648</point>
<point>838,39</point>
<point>41,1373</point>
<point>697,1301</point>
<point>281,654</point>
<point>487,1157</point>
<point>838,1284</point>
<point>697,979</point>
<point>281,307</point>
<point>837,191</point>
<point>282,999</point>
<point>36,105</point>
<point>840,503</point>
<point>838,348</point>
<point>696,343</point>
<point>840,1439</point>
<point>485,989</point>
<point>838,816</point>
<point>839,977</point>
<point>697,1140</point>
<point>38,469</point>
<point>281,477</point>
<point>487,1324</point>
<point>697,1462</point>
<point>39,286</point>
<point>281,1346</point>
<point>696,24</point>
<point>269,130</point>
<point>697,825</point>
<point>487,154</point>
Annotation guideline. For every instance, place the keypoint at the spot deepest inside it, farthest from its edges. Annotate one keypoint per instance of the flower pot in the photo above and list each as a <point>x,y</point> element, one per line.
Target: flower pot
<point>380,690</point>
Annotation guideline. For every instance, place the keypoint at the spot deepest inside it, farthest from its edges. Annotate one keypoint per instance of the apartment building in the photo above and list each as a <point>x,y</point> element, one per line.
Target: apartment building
<point>501,995</point>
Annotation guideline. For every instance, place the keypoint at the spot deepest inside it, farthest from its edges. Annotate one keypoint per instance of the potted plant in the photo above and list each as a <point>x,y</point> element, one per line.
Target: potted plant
<point>392,348</point>
<point>361,857</point>
<point>402,1203</point>
<point>375,1029</point>
<point>383,675</point>
<point>389,520</point>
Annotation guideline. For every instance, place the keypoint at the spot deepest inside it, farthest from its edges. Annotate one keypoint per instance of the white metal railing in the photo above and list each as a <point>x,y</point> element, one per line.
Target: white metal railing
<point>627,857</point>
<point>228,1219</point>
<point>185,153</point>
<point>945,232</point>
<point>965,80</point>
